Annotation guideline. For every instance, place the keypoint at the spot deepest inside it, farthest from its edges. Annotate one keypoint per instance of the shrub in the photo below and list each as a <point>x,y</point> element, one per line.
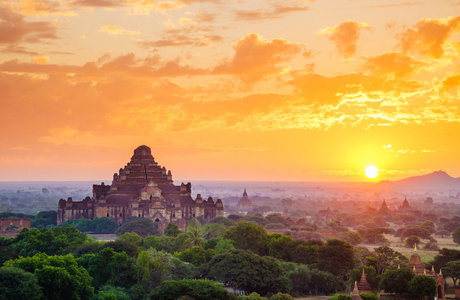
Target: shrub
<point>281,296</point>
<point>365,296</point>
<point>340,297</point>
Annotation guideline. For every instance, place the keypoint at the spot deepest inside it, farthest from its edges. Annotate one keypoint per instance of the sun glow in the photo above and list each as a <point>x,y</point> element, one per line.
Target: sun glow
<point>371,171</point>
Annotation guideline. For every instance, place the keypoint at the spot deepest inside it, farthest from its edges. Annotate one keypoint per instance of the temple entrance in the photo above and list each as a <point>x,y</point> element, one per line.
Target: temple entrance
<point>157,220</point>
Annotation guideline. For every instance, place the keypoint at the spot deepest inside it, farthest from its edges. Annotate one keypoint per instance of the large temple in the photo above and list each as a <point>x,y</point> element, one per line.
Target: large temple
<point>142,189</point>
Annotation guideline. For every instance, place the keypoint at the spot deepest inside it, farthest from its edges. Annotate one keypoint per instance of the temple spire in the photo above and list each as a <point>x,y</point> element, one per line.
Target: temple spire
<point>415,247</point>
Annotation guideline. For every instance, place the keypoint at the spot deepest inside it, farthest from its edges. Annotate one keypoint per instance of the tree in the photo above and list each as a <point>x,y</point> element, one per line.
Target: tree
<point>250,272</point>
<point>108,267</point>
<point>313,282</point>
<point>422,286</point>
<point>141,226</point>
<point>194,236</point>
<point>396,281</point>
<point>336,257</point>
<point>445,255</point>
<point>60,277</point>
<point>278,246</point>
<point>452,270</point>
<point>387,258</point>
<point>196,255</point>
<point>456,236</point>
<point>195,289</point>
<point>411,241</point>
<point>222,220</point>
<point>17,284</point>
<point>303,252</point>
<point>103,225</point>
<point>351,237</point>
<point>417,231</point>
<point>248,236</point>
<point>131,237</point>
<point>152,268</point>
<point>172,230</point>
<point>223,245</point>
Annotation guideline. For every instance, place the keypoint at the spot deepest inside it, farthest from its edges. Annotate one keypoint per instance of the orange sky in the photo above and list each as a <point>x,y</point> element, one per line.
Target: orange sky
<point>230,90</point>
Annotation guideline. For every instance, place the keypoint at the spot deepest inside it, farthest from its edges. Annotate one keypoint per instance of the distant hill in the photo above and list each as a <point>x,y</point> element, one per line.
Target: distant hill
<point>438,180</point>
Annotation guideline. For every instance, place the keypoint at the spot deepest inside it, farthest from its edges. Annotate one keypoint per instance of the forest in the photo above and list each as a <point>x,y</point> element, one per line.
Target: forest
<point>232,257</point>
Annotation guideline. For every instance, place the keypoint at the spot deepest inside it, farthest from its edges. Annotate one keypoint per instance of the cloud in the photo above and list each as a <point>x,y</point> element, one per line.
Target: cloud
<point>396,5</point>
<point>117,30</point>
<point>345,36</point>
<point>275,11</point>
<point>392,65</point>
<point>41,60</point>
<point>140,6</point>
<point>15,30</point>
<point>428,36</point>
<point>187,35</point>
<point>256,58</point>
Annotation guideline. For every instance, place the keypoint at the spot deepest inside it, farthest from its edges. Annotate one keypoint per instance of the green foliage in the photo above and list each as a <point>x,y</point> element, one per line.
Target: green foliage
<point>50,241</point>
<point>445,255</point>
<point>196,255</point>
<point>375,235</point>
<point>365,296</point>
<point>108,267</point>
<point>17,284</point>
<point>110,292</point>
<point>196,289</point>
<point>252,296</point>
<point>246,235</point>
<point>336,257</point>
<point>340,297</point>
<point>281,296</point>
<point>172,230</point>
<point>411,241</point>
<point>313,282</point>
<point>141,226</point>
<point>194,235</point>
<point>456,236</point>
<point>396,281</point>
<point>152,268</point>
<point>417,231</point>
<point>452,270</point>
<point>122,246</point>
<point>131,237</point>
<point>371,276</point>
<point>223,245</point>
<point>352,237</point>
<point>44,219</point>
<point>222,220</point>
<point>250,272</point>
<point>303,252</point>
<point>278,246</point>
<point>387,258</point>
<point>60,277</point>
<point>214,230</point>
<point>97,225</point>
<point>422,286</point>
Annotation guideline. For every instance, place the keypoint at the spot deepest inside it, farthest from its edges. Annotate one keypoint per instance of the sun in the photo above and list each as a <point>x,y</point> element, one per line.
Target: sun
<point>371,171</point>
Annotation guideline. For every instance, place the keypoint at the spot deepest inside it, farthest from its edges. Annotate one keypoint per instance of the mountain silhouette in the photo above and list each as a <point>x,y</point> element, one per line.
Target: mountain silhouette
<point>438,180</point>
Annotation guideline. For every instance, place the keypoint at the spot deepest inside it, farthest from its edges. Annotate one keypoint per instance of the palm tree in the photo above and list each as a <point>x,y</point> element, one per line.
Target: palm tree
<point>195,236</point>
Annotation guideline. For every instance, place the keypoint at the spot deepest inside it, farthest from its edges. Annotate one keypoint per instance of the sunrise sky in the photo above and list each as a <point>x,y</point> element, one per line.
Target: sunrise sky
<point>230,90</point>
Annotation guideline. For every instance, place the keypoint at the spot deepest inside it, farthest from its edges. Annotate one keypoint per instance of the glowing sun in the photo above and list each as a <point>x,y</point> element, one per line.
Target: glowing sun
<point>371,171</point>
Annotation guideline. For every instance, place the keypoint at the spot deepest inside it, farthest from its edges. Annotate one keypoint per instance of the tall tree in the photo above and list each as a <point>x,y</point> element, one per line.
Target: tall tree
<point>249,272</point>
<point>336,257</point>
<point>17,284</point>
<point>246,235</point>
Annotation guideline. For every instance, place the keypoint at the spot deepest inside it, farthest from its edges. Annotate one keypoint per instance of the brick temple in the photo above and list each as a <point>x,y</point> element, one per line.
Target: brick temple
<point>142,189</point>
